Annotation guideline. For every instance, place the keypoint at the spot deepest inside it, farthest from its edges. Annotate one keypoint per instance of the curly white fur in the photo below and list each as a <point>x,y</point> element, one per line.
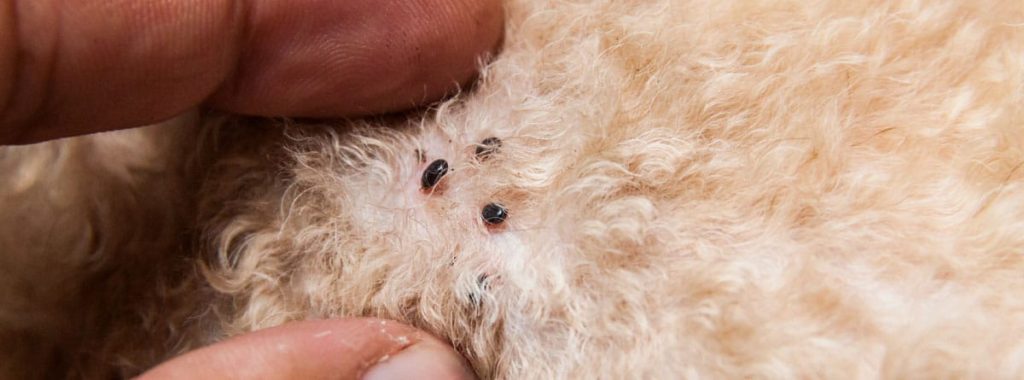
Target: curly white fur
<point>697,189</point>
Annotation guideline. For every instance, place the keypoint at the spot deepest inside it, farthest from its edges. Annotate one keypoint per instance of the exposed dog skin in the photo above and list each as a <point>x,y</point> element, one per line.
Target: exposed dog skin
<point>721,189</point>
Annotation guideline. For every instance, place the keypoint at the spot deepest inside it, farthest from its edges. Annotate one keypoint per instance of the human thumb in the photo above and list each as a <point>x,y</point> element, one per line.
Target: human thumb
<point>357,348</point>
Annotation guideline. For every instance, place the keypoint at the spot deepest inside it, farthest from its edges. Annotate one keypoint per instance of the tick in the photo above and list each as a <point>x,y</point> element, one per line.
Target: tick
<point>494,214</point>
<point>487,147</point>
<point>432,175</point>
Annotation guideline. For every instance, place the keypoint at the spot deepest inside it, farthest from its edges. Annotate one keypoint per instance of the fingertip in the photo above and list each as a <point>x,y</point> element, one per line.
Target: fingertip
<point>424,360</point>
<point>358,58</point>
<point>345,348</point>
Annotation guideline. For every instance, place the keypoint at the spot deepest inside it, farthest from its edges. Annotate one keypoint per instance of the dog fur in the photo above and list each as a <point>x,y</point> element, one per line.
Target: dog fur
<point>731,189</point>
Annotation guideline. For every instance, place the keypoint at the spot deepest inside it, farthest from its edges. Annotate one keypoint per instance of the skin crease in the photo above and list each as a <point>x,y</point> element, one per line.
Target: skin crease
<point>70,68</point>
<point>77,67</point>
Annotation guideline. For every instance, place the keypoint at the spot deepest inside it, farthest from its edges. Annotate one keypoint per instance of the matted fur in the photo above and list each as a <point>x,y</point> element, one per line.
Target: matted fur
<point>723,189</point>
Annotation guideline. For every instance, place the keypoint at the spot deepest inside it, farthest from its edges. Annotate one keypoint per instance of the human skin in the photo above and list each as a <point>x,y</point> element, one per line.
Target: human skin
<point>82,66</point>
<point>337,349</point>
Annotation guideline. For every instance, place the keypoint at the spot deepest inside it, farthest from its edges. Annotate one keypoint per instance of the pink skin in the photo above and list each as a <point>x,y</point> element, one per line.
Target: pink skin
<point>337,349</point>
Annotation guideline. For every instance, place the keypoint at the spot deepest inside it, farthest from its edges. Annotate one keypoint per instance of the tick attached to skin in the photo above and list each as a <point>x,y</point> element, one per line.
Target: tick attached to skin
<point>494,214</point>
<point>487,147</point>
<point>432,175</point>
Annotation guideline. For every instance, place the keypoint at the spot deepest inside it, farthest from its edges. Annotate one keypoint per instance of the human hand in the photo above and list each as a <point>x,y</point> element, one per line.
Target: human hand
<point>75,67</point>
<point>340,349</point>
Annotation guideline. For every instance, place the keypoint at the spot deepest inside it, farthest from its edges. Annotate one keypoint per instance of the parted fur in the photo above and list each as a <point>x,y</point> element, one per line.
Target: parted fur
<point>727,189</point>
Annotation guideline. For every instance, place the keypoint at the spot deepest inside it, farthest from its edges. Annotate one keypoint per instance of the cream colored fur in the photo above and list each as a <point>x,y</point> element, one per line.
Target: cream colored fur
<point>728,189</point>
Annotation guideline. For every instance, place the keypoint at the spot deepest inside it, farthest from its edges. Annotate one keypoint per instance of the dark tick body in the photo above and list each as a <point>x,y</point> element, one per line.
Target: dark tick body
<point>494,214</point>
<point>432,175</point>
<point>487,147</point>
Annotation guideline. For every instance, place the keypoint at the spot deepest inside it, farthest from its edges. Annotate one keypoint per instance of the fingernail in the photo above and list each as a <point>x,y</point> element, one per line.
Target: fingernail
<point>423,360</point>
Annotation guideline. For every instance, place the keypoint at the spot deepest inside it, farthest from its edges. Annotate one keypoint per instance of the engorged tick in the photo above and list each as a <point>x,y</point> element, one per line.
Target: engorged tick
<point>487,147</point>
<point>432,175</point>
<point>494,214</point>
